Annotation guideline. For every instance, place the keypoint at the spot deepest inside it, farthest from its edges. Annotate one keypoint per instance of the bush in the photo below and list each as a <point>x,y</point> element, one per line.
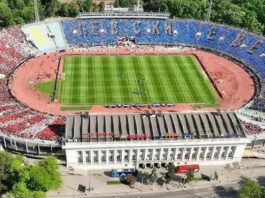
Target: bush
<point>20,180</point>
<point>190,175</point>
<point>250,189</point>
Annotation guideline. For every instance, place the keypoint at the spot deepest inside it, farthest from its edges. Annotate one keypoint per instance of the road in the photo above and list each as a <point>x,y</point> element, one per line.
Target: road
<point>218,192</point>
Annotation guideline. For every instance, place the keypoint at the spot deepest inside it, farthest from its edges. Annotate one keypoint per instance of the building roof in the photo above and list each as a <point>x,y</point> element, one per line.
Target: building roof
<point>108,127</point>
<point>126,15</point>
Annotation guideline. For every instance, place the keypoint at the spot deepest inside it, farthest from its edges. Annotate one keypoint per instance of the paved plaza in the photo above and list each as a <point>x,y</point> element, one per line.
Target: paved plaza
<point>229,177</point>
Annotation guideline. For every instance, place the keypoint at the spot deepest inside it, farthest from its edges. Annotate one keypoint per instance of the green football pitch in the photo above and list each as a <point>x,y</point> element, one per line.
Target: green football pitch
<point>88,80</point>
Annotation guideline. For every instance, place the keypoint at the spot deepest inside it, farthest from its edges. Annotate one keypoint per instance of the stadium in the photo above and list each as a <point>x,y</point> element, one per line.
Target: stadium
<point>109,90</point>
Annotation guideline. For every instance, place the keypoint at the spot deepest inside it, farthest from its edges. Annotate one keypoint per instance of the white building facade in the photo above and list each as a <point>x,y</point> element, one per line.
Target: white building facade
<point>132,154</point>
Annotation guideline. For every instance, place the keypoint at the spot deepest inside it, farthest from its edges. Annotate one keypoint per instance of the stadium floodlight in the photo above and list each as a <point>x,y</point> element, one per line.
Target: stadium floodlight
<point>36,11</point>
<point>209,10</point>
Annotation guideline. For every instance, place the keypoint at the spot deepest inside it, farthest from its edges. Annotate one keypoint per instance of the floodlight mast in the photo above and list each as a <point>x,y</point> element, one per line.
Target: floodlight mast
<point>36,11</point>
<point>209,10</point>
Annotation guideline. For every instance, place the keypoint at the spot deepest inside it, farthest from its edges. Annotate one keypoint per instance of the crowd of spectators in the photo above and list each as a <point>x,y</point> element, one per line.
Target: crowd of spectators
<point>19,121</point>
<point>246,47</point>
<point>53,131</point>
<point>258,104</point>
<point>15,47</point>
<point>4,94</point>
<point>15,118</point>
<point>252,129</point>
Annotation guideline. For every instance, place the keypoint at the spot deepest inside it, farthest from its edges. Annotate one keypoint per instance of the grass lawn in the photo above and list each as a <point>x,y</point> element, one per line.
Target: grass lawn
<point>114,182</point>
<point>89,80</point>
<point>46,87</point>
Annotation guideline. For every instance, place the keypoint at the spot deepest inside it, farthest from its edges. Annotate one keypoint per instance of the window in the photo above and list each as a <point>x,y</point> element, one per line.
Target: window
<point>194,153</point>
<point>150,153</point>
<point>157,154</point>
<point>202,153</point>
<point>187,153</point>
<point>180,153</point>
<point>134,155</point>
<point>165,151</point>
<point>111,156</point>
<point>95,156</point>
<point>232,151</point>
<point>209,153</point>
<point>119,156</point>
<point>172,153</point>
<point>126,155</point>
<point>103,156</point>
<point>217,152</point>
<point>225,149</point>
<point>88,157</point>
<point>80,157</point>
<point>142,153</point>
<point>186,156</point>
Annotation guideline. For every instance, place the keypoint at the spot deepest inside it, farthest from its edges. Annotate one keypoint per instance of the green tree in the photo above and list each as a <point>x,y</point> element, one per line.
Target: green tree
<point>68,10</point>
<point>39,179</point>
<point>45,175</point>
<point>251,22</point>
<point>190,175</point>
<point>20,190</point>
<point>28,13</point>
<point>12,170</point>
<point>87,5</point>
<point>151,5</point>
<point>19,172</point>
<point>50,7</point>
<point>249,14</point>
<point>51,166</point>
<point>125,3</point>
<point>226,12</point>
<point>171,172</point>
<point>250,189</point>
<point>101,6</point>
<point>5,172</point>
<point>153,176</point>
<point>6,17</point>
<point>163,7</point>
<point>131,180</point>
<point>19,180</point>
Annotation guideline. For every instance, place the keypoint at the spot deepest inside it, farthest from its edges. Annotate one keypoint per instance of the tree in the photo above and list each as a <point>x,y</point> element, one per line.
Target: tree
<point>45,175</point>
<point>6,17</point>
<point>163,7</point>
<point>39,179</point>
<point>251,22</point>
<point>131,180</point>
<point>87,5</point>
<point>101,6</point>
<point>171,172</point>
<point>68,10</point>
<point>257,6</point>
<point>12,171</point>
<point>20,190</point>
<point>5,172</point>
<point>125,3</point>
<point>20,180</point>
<point>250,189</point>
<point>28,13</point>
<point>51,7</point>
<point>51,166</point>
<point>153,176</point>
<point>190,175</point>
<point>151,5</point>
<point>19,172</point>
<point>249,14</point>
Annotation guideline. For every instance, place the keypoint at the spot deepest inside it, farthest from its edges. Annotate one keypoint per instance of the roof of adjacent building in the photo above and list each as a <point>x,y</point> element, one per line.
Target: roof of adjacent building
<point>107,127</point>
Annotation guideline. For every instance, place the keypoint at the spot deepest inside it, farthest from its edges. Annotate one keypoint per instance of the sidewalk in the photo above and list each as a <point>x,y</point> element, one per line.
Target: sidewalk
<point>98,180</point>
